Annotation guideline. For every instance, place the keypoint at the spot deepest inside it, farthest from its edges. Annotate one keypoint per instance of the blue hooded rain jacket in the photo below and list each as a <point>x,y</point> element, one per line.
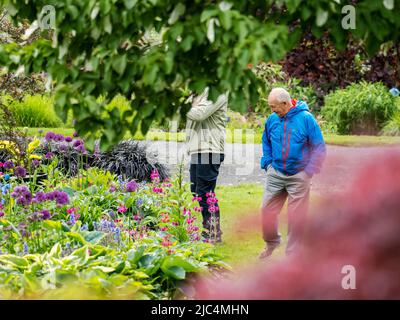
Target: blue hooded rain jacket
<point>294,142</point>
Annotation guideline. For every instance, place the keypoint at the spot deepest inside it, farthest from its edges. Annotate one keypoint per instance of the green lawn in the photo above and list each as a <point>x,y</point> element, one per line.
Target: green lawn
<point>241,224</point>
<point>240,136</point>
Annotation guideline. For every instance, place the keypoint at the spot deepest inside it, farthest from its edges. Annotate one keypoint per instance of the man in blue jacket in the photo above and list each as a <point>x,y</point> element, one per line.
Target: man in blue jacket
<point>293,151</point>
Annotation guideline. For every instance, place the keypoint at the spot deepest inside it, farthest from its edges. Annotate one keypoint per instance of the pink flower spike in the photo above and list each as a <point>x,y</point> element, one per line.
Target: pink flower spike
<point>154,175</point>
<point>72,210</point>
<point>122,209</point>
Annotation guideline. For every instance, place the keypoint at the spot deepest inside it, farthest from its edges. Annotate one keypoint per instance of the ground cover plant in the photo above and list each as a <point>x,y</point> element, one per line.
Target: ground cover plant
<point>96,231</point>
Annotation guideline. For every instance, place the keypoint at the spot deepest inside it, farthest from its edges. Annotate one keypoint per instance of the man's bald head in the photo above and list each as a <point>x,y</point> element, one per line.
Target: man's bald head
<point>280,101</point>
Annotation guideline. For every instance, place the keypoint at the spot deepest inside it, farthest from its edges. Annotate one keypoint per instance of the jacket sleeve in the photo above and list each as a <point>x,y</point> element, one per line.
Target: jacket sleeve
<point>266,158</point>
<point>205,108</point>
<point>317,146</point>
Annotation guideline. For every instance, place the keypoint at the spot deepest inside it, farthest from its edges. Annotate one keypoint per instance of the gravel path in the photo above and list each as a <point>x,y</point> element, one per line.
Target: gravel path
<point>241,163</point>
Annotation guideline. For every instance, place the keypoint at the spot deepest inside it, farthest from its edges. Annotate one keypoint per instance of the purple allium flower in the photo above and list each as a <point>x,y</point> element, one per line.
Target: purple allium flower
<point>20,172</point>
<point>49,155</point>
<point>68,139</point>
<point>75,134</point>
<point>50,196</point>
<point>40,197</point>
<point>2,214</point>
<point>8,165</point>
<point>22,195</point>
<point>77,143</point>
<point>112,188</point>
<point>81,149</point>
<point>59,138</point>
<point>131,186</point>
<point>61,198</point>
<point>45,214</point>
<point>50,136</point>
<point>63,147</point>
<point>35,163</point>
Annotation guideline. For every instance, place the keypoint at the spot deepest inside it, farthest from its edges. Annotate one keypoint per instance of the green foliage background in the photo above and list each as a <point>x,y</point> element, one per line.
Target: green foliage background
<point>99,48</point>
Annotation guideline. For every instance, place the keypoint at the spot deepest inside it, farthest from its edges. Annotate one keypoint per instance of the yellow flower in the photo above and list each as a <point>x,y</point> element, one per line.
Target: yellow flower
<point>33,145</point>
<point>34,156</point>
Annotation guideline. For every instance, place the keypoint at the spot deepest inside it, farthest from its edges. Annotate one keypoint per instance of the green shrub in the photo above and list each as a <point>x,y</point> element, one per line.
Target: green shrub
<point>274,77</point>
<point>34,111</point>
<point>361,108</point>
<point>392,127</point>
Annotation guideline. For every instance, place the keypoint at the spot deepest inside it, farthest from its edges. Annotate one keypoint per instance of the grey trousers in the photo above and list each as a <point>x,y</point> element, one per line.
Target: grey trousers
<point>278,188</point>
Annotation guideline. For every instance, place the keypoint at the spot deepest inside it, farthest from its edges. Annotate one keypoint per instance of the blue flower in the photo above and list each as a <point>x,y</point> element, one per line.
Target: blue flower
<point>139,202</point>
<point>7,177</point>
<point>395,92</point>
<point>84,227</point>
<point>72,218</point>
<point>120,181</point>
<point>25,248</point>
<point>117,233</point>
<point>104,225</point>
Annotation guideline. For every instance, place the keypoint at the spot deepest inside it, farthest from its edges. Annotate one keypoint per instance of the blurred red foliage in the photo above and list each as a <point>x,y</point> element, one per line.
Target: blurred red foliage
<point>360,228</point>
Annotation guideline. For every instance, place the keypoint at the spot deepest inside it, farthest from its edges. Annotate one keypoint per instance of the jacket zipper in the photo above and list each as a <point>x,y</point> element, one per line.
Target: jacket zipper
<point>283,145</point>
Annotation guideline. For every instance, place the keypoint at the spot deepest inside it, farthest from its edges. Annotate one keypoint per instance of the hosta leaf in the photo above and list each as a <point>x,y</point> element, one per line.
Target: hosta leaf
<point>134,255</point>
<point>78,237</point>
<point>55,251</point>
<point>14,260</point>
<point>95,236</point>
<point>50,224</point>
<point>104,269</point>
<point>187,265</point>
<point>175,272</point>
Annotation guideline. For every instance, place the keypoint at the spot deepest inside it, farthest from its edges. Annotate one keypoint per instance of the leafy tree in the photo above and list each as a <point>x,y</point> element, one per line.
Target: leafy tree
<point>319,63</point>
<point>18,85</point>
<point>99,48</point>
